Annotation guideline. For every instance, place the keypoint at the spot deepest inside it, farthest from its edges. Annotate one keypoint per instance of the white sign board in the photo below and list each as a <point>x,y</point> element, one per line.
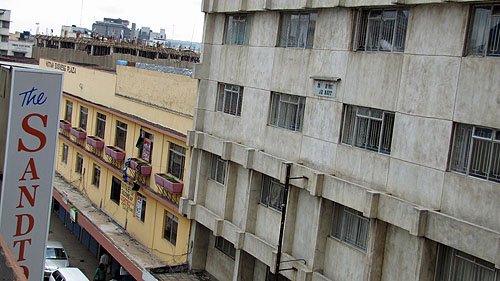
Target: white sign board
<point>30,152</point>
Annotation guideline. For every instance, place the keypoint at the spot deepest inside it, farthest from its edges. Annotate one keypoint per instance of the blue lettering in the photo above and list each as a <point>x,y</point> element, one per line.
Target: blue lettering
<point>31,97</point>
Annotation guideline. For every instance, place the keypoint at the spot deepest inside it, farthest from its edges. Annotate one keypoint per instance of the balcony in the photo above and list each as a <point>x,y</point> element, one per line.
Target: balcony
<point>64,125</point>
<point>140,167</point>
<point>78,133</point>
<point>95,142</point>
<point>114,153</point>
<point>168,183</point>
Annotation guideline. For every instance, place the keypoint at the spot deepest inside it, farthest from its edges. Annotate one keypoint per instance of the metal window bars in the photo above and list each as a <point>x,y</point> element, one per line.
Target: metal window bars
<point>350,226</point>
<point>484,34</point>
<point>287,111</point>
<point>297,30</point>
<point>230,99</point>
<point>237,30</point>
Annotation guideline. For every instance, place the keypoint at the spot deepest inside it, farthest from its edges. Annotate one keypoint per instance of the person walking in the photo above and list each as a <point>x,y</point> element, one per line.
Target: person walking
<point>100,273</point>
<point>104,260</point>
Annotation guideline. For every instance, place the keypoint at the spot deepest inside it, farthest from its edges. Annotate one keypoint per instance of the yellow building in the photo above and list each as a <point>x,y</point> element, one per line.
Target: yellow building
<point>130,122</point>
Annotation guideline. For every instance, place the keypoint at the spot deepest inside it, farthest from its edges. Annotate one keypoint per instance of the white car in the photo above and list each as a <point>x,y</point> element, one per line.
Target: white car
<point>68,274</point>
<point>55,257</point>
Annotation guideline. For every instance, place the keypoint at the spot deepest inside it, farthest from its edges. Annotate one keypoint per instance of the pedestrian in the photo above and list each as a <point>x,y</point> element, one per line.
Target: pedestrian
<point>100,273</point>
<point>105,260</point>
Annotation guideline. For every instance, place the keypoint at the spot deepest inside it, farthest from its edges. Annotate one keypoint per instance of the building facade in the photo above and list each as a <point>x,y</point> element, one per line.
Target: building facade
<point>122,147</point>
<point>4,31</point>
<point>370,129</point>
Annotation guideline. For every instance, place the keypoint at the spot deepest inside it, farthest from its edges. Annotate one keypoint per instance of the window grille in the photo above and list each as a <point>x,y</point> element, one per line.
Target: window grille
<point>287,111</point>
<point>225,246</point>
<point>176,159</point>
<point>121,134</point>
<point>100,125</point>
<point>83,117</point>
<point>381,30</point>
<point>456,265</point>
<point>368,128</point>
<point>272,193</point>
<point>217,169</point>
<point>297,30</point>
<point>69,111</point>
<point>350,226</point>
<point>484,33</point>
<point>237,29</point>
<point>170,228</point>
<point>476,152</point>
<point>230,99</point>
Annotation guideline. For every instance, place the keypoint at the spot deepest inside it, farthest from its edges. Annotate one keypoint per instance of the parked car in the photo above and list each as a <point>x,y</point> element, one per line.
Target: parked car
<point>68,274</point>
<point>55,257</point>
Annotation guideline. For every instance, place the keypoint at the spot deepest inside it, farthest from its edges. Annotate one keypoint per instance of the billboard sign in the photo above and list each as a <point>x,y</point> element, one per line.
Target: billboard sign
<point>30,151</point>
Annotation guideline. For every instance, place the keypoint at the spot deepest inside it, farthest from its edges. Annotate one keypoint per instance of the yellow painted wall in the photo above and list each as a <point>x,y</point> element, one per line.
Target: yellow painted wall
<point>149,232</point>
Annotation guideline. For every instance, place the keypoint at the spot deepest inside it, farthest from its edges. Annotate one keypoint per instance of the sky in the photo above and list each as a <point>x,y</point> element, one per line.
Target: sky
<point>181,18</point>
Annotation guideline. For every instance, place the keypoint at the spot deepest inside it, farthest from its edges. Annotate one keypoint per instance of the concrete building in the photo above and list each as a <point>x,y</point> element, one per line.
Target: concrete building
<point>121,158</point>
<point>112,28</point>
<point>75,32</point>
<point>4,31</point>
<point>21,45</point>
<point>369,130</point>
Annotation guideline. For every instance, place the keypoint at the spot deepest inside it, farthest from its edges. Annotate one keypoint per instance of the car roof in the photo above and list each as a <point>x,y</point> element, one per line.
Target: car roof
<point>72,273</point>
<point>54,244</point>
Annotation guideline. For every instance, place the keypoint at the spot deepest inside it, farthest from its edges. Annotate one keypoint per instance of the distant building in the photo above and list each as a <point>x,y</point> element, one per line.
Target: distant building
<point>4,31</point>
<point>75,32</point>
<point>112,28</point>
<point>20,45</point>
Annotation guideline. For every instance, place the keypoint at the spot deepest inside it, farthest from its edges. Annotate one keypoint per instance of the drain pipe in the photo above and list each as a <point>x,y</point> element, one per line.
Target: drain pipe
<point>283,214</point>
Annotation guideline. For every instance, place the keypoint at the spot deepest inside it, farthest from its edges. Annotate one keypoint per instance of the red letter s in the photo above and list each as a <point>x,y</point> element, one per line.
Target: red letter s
<point>41,136</point>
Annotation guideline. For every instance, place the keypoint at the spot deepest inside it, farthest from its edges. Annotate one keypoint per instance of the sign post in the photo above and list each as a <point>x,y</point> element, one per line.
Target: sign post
<point>33,97</point>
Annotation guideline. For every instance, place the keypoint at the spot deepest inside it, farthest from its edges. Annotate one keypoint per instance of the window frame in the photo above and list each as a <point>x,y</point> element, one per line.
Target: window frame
<point>100,125</point>
<point>464,164</point>
<point>218,165</point>
<point>269,184</point>
<point>488,27</point>
<point>350,133</point>
<point>225,247</point>
<point>225,95</point>
<point>232,35</point>
<point>96,175</point>
<point>64,156</point>
<point>341,225</point>
<point>79,164</point>
<point>171,221</point>
<point>174,154</point>
<point>84,112</point>
<point>116,187</point>
<point>121,132</point>
<point>279,106</point>
<point>286,26</point>
<point>364,20</point>
<point>68,111</point>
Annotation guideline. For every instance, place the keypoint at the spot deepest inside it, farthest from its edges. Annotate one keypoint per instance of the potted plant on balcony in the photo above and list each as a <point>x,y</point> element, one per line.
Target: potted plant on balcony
<point>114,152</point>
<point>64,125</point>
<point>168,182</point>
<point>78,133</point>
<point>95,142</point>
<point>140,166</point>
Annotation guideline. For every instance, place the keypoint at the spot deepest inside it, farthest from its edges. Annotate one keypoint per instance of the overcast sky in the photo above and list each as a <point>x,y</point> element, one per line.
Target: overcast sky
<point>182,18</point>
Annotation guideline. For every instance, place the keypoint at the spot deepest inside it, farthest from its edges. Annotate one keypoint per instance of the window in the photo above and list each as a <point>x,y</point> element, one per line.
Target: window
<point>287,111</point>
<point>170,229</point>
<point>217,169</point>
<point>272,193</point>
<point>476,152</point>
<point>145,145</point>
<point>297,30</point>
<point>229,99</point>
<point>5,38</point>
<point>5,24</point>
<point>64,156</point>
<point>456,265</point>
<point>140,207</point>
<point>176,159</point>
<point>237,29</point>
<point>100,125</point>
<point>484,33</point>
<point>381,30</point>
<point>116,188</point>
<point>121,134</point>
<point>350,226</point>
<point>96,175</point>
<point>69,111</point>
<point>79,163</point>
<point>83,117</point>
<point>368,128</point>
<point>225,246</point>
